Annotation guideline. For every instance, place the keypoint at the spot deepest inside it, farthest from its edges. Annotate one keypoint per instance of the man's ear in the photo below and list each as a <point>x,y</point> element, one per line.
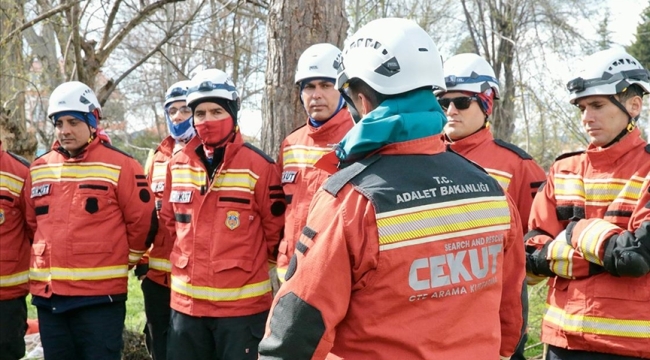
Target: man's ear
<point>634,106</point>
<point>366,106</point>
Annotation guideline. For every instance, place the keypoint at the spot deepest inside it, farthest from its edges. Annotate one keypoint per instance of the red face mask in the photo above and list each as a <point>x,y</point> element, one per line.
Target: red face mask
<point>213,133</point>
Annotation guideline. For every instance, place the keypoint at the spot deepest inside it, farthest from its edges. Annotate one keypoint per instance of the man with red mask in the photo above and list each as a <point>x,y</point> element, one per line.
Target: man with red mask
<point>224,207</point>
<point>468,101</point>
<point>328,122</point>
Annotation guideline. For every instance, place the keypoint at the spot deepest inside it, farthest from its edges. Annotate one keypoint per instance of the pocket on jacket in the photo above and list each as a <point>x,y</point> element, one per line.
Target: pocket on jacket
<point>227,264</point>
<point>39,249</point>
<point>38,255</point>
<point>179,260</point>
<point>610,287</point>
<point>80,248</point>
<point>9,255</point>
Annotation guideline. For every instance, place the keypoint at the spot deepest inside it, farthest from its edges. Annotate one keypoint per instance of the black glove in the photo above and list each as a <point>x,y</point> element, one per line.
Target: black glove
<point>536,262</point>
<point>628,255</point>
<point>140,270</point>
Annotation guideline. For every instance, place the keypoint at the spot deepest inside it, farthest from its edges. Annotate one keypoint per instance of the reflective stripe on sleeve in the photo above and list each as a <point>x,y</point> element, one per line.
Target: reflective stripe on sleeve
<point>597,325</point>
<point>560,255</point>
<point>591,240</point>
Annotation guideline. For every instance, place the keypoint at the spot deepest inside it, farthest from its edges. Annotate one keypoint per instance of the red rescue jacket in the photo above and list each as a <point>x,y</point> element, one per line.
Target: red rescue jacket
<point>431,268</point>
<point>14,233</point>
<point>92,217</point>
<point>158,256</point>
<point>224,230</point>
<point>609,189</point>
<point>511,166</point>
<point>300,179</point>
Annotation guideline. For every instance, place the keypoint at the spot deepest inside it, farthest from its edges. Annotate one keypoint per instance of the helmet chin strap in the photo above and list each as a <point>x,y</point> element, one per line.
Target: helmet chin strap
<point>631,122</point>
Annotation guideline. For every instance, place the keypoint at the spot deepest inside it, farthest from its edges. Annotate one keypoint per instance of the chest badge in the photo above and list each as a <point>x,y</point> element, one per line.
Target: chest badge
<point>289,177</point>
<point>232,219</point>
<point>38,191</point>
<point>2,216</point>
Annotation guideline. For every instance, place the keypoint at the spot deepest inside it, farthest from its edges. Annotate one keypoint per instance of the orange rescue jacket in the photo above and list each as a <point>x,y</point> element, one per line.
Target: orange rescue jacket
<point>424,266</point>
<point>511,166</point>
<point>14,234</point>
<point>300,179</point>
<point>158,257</point>
<point>92,216</point>
<point>609,189</point>
<point>224,230</point>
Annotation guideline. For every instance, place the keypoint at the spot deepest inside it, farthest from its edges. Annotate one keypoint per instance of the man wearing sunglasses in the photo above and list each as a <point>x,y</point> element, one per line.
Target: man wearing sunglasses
<point>327,123</point>
<point>407,249</point>
<point>468,102</point>
<point>472,89</point>
<point>154,267</point>
<point>590,223</point>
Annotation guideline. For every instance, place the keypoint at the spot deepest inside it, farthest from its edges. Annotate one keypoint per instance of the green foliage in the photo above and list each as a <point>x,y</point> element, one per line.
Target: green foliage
<point>536,307</point>
<point>604,35</point>
<point>640,48</point>
<point>466,46</point>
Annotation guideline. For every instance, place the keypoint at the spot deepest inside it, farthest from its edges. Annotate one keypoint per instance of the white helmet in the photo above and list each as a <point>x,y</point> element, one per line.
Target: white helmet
<point>73,96</point>
<point>318,61</point>
<point>177,92</point>
<point>608,72</point>
<point>211,83</point>
<point>392,56</point>
<point>469,72</point>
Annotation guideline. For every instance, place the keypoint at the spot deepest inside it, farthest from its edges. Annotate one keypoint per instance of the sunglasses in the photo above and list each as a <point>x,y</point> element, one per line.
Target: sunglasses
<point>460,103</point>
<point>185,110</point>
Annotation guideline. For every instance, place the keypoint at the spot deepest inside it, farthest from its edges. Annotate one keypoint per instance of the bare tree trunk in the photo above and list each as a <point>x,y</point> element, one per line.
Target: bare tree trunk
<point>13,132</point>
<point>292,26</point>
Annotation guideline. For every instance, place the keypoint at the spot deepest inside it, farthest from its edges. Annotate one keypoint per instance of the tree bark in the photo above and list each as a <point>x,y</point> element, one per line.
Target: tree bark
<point>292,26</point>
<point>13,133</point>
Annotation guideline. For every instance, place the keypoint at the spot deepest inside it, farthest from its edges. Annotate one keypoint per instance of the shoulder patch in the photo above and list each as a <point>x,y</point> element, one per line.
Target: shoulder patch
<point>19,158</point>
<point>647,148</point>
<point>298,128</point>
<point>336,182</point>
<point>569,154</point>
<point>514,148</point>
<point>116,149</point>
<point>38,157</point>
<point>260,152</point>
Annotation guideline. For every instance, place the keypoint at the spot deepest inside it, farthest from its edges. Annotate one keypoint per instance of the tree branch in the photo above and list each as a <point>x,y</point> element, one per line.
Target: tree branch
<point>109,23</point>
<point>107,89</point>
<point>108,48</point>
<point>38,19</point>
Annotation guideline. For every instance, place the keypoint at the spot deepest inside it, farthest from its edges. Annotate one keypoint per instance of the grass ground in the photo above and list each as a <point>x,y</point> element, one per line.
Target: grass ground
<point>135,318</point>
